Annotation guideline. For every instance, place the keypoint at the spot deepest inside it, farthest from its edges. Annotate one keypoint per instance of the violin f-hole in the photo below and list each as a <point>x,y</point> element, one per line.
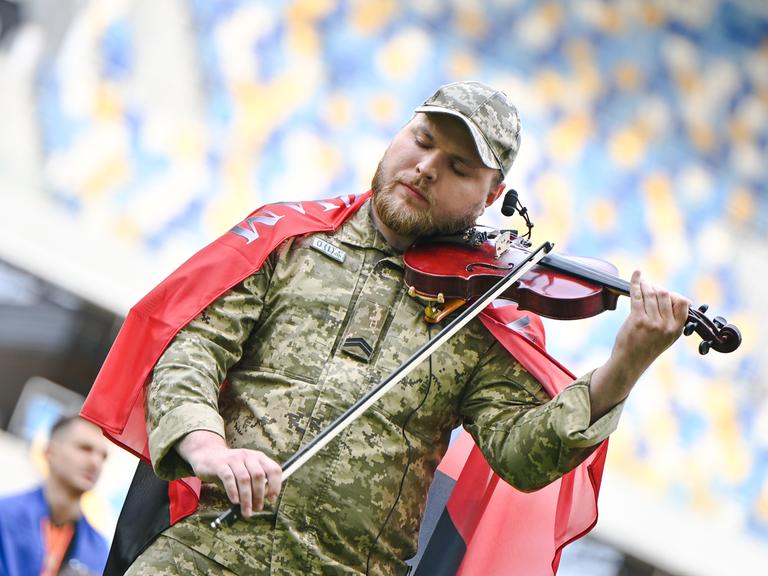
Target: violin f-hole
<point>472,265</point>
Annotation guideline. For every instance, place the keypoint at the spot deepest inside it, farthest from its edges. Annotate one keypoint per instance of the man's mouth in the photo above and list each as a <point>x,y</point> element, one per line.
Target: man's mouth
<point>90,477</point>
<point>415,192</point>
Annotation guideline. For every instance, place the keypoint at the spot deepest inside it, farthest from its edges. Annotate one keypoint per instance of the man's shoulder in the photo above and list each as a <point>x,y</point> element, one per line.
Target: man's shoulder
<point>21,505</point>
<point>19,498</point>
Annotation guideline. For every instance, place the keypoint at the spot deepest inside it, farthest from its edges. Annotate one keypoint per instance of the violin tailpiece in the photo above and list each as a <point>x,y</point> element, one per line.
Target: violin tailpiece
<point>436,307</point>
<point>434,313</point>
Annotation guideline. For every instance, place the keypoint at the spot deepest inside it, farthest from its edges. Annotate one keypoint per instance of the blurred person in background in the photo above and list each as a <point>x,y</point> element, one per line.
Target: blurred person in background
<point>43,531</point>
<point>300,325</point>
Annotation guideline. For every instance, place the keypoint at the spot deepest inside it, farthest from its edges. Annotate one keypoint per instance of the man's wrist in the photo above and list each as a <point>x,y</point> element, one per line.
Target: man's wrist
<point>197,441</point>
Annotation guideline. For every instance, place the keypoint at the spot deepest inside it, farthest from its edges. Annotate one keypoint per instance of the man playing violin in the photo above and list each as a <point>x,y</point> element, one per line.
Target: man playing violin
<point>325,317</point>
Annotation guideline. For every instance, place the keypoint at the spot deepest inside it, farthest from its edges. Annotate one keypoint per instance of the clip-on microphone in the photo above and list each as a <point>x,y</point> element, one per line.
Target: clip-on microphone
<point>511,203</point>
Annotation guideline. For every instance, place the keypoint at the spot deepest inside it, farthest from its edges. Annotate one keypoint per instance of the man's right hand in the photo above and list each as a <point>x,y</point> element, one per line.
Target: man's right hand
<point>248,476</point>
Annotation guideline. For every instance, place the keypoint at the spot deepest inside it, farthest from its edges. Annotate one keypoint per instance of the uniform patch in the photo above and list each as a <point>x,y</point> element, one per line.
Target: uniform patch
<point>358,348</point>
<point>328,249</point>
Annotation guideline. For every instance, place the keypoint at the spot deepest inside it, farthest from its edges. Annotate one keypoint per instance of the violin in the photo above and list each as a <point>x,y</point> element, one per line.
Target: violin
<point>448,272</point>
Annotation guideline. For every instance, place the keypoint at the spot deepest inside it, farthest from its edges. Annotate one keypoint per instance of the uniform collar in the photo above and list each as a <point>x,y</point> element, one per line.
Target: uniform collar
<point>360,231</point>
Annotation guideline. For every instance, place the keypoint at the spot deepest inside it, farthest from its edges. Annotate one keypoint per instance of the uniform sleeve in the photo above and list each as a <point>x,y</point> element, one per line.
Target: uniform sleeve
<point>529,439</point>
<point>183,393</point>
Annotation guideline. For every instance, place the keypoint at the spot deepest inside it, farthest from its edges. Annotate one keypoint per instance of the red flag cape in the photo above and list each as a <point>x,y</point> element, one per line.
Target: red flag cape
<point>116,400</point>
<point>488,527</point>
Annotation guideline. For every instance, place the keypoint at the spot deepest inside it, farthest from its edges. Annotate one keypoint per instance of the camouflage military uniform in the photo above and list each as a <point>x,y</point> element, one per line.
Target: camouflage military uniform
<point>289,341</point>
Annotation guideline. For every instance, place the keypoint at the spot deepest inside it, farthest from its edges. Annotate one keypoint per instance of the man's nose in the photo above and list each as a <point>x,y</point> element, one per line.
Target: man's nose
<point>96,459</point>
<point>428,166</point>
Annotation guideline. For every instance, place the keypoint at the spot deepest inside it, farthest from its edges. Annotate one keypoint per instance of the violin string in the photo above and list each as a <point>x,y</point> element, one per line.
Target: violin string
<point>568,265</point>
<point>565,264</point>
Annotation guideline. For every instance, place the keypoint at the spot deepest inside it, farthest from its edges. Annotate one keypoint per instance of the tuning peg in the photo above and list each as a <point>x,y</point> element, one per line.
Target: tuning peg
<point>704,346</point>
<point>703,308</point>
<point>719,321</point>
<point>689,328</point>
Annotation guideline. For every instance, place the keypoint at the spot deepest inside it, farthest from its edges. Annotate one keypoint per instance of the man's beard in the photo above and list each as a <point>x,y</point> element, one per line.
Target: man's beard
<point>411,222</point>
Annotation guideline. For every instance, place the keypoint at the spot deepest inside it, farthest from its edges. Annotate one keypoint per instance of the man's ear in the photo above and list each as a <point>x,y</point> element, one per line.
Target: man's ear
<point>494,194</point>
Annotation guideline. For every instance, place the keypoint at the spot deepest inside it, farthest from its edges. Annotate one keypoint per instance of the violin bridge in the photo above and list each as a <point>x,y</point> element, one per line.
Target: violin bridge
<point>503,242</point>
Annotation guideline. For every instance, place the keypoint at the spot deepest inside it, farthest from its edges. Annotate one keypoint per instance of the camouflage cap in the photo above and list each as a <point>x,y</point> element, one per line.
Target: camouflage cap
<point>491,118</point>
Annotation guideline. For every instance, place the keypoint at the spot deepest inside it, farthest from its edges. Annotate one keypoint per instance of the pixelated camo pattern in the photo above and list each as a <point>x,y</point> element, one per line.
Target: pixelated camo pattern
<point>278,337</point>
<point>493,119</point>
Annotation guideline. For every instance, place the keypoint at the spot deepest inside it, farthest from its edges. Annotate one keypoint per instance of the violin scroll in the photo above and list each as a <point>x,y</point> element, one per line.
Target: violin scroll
<point>715,333</point>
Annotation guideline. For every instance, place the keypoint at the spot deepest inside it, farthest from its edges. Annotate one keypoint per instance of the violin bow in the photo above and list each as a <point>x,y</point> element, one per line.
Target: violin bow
<point>296,461</point>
